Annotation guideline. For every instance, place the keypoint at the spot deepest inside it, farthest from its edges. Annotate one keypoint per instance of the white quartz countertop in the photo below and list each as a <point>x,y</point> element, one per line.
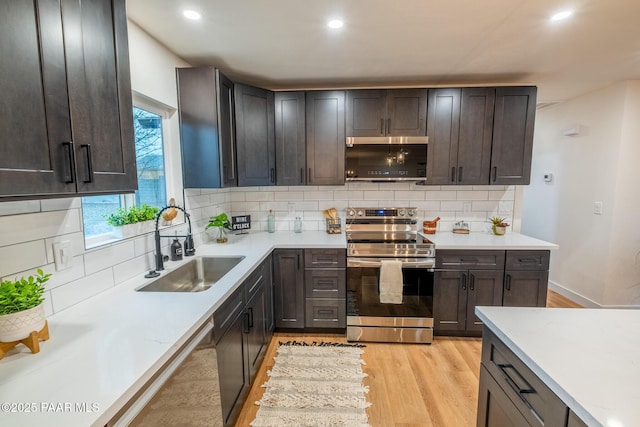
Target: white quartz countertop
<point>479,240</point>
<point>590,358</point>
<point>104,349</point>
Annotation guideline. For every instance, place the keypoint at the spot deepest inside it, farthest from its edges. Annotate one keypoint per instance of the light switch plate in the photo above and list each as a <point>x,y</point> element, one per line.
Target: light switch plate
<point>597,208</point>
<point>62,255</point>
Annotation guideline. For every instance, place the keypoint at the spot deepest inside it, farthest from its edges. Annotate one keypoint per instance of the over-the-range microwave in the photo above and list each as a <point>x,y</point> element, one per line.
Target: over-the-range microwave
<point>394,158</point>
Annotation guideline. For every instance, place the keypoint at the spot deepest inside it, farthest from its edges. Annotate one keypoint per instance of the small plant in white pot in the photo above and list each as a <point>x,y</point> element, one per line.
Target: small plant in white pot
<point>21,310</point>
<point>133,221</point>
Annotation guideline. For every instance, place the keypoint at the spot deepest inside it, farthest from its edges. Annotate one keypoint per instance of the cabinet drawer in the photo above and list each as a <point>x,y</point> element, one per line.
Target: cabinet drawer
<point>325,283</point>
<point>539,405</point>
<point>227,312</point>
<point>479,260</point>
<point>324,313</point>
<point>527,260</point>
<point>334,258</point>
<point>252,283</point>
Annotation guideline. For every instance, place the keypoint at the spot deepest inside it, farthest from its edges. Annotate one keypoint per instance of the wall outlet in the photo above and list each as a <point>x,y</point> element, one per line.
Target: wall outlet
<point>597,208</point>
<point>62,255</point>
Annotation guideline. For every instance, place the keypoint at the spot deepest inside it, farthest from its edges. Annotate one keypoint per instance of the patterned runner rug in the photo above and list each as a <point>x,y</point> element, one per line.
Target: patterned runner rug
<point>318,384</point>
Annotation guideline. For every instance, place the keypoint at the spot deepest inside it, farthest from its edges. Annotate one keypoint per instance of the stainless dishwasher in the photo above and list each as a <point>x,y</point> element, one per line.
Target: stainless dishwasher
<point>185,392</point>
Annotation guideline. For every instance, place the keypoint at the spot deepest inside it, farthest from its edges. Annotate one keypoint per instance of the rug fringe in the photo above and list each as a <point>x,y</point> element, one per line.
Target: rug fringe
<point>320,344</point>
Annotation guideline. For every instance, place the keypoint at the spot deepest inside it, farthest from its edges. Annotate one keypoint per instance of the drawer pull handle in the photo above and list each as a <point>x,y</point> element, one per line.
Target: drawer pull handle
<point>522,391</point>
<point>469,260</point>
<point>527,260</point>
<point>325,311</point>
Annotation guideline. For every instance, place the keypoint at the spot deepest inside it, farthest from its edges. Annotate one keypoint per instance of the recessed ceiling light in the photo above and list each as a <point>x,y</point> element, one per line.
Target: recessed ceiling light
<point>192,14</point>
<point>561,15</point>
<point>335,23</point>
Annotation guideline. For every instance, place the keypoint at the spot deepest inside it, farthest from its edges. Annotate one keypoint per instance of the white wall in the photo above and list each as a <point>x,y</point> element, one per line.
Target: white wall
<point>593,166</point>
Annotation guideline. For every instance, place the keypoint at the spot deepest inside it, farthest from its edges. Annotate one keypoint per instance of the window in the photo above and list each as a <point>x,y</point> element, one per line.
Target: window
<point>152,186</point>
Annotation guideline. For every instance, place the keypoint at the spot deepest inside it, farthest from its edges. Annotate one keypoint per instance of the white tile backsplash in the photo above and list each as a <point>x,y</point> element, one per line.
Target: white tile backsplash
<point>30,228</point>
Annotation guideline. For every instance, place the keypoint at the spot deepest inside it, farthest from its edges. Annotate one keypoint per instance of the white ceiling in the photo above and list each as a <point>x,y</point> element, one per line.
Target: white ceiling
<point>285,44</point>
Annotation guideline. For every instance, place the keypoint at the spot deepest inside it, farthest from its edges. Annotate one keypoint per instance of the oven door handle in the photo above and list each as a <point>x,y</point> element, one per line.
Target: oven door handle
<point>359,262</point>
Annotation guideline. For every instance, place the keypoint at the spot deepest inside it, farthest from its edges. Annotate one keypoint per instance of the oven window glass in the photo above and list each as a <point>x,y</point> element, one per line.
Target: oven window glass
<point>364,297</point>
<point>386,161</point>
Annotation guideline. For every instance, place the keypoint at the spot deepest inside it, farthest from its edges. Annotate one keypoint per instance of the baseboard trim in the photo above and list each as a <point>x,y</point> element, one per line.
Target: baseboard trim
<point>583,301</point>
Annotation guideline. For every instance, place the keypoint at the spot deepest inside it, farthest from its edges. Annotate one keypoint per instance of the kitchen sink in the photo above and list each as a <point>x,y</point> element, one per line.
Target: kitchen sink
<point>197,275</point>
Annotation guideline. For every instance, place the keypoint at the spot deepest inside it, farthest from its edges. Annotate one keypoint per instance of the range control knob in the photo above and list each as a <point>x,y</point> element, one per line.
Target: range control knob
<point>412,212</point>
<point>401,212</point>
<point>360,213</point>
<point>351,212</point>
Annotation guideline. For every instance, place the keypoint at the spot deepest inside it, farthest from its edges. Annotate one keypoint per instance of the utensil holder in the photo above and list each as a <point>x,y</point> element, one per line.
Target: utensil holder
<point>334,225</point>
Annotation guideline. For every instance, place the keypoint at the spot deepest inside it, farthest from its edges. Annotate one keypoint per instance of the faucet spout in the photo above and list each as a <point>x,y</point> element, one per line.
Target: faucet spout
<point>189,247</point>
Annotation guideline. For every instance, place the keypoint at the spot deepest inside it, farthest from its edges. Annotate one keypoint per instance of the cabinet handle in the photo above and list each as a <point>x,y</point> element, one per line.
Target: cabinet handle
<point>381,126</point>
<point>245,326</point>
<point>87,148</point>
<point>508,284</point>
<point>527,260</point>
<point>453,174</point>
<point>494,173</point>
<point>250,313</point>
<point>460,174</point>
<point>464,282</point>
<point>298,256</point>
<point>68,147</point>
<point>325,261</point>
<point>273,175</point>
<point>325,311</point>
<point>473,282</point>
<point>469,260</point>
<point>301,175</point>
<point>521,391</point>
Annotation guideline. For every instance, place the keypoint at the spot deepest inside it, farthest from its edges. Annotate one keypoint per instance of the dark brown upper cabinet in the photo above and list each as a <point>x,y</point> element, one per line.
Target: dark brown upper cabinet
<point>290,138</point>
<point>386,112</point>
<point>325,137</point>
<point>67,122</point>
<point>207,130</point>
<point>460,128</point>
<point>255,137</point>
<point>513,135</point>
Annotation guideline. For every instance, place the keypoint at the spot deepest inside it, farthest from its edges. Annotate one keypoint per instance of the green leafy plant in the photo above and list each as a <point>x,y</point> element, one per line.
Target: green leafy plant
<point>221,220</point>
<point>22,294</point>
<point>499,222</point>
<point>132,215</point>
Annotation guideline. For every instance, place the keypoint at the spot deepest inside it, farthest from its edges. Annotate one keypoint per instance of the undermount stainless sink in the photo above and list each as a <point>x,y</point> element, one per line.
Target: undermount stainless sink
<point>197,275</point>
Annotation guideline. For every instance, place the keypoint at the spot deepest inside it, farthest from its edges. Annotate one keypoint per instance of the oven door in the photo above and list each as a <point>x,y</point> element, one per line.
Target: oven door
<point>370,320</point>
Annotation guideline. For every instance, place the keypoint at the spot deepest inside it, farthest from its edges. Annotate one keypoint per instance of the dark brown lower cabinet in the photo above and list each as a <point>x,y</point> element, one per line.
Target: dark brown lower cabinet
<point>288,288</point>
<point>242,337</point>
<point>525,288</point>
<point>456,295</point>
<point>510,394</point>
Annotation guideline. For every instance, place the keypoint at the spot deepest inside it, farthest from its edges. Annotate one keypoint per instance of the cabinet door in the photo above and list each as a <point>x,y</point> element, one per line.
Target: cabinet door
<point>257,331</point>
<point>268,296</point>
<point>234,380</point>
<point>97,54</point>
<point>226,131</point>
<point>255,137</point>
<point>449,300</point>
<point>288,288</point>
<point>35,129</point>
<point>515,110</point>
<point>525,288</point>
<point>366,112</point>
<point>485,288</point>
<point>325,137</point>
<point>290,138</point>
<point>474,141</point>
<point>443,125</point>
<point>406,112</point>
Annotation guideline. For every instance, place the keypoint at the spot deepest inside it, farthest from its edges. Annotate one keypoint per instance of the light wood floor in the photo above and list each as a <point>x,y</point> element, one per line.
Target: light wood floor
<point>410,385</point>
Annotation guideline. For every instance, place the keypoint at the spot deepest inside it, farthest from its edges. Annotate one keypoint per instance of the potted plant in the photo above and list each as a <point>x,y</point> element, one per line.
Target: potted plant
<point>222,223</point>
<point>21,310</point>
<point>499,226</point>
<point>133,221</point>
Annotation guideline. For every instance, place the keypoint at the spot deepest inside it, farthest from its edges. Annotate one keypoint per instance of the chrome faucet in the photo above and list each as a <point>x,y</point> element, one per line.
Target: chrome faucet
<point>189,248</point>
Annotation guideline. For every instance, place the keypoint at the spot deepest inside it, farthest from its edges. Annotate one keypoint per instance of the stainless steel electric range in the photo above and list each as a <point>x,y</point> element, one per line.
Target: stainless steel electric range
<point>373,236</point>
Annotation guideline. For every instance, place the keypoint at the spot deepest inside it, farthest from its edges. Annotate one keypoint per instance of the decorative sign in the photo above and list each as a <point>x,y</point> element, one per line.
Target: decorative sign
<point>241,222</point>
